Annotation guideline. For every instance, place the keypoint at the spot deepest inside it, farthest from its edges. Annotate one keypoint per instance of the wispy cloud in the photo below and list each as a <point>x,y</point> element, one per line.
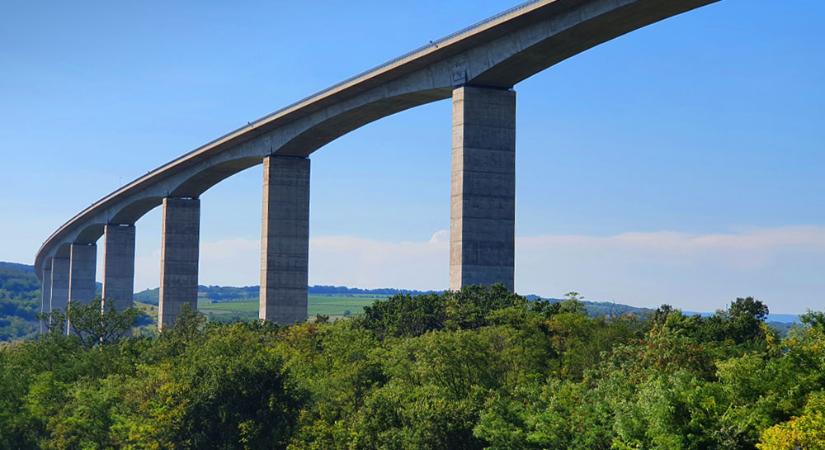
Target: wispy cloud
<point>783,265</point>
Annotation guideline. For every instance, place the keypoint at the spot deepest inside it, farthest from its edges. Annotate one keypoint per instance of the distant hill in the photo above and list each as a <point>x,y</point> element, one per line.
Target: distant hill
<point>600,309</point>
<point>20,300</point>
<point>226,294</point>
<point>16,267</point>
<point>778,318</point>
<point>783,318</point>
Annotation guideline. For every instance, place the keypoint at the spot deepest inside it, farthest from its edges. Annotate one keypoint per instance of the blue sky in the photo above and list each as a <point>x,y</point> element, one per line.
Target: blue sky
<point>681,163</point>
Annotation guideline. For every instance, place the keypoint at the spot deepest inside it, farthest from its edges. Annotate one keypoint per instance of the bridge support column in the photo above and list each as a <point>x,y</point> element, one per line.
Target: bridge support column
<point>119,266</point>
<point>82,268</point>
<point>482,215</point>
<point>59,292</point>
<point>179,258</point>
<point>285,240</point>
<point>45,297</point>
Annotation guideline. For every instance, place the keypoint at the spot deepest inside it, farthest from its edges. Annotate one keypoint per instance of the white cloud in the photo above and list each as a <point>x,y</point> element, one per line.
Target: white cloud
<point>353,261</point>
<point>784,266</point>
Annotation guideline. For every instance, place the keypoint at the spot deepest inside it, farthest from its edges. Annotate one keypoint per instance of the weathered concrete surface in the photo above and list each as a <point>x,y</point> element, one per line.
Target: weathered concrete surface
<point>82,268</point>
<point>180,240</point>
<point>285,240</point>
<point>45,296</point>
<point>119,266</point>
<point>483,203</point>
<point>60,285</point>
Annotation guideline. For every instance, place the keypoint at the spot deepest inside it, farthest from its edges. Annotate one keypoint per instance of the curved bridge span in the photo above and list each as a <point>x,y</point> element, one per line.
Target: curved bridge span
<point>476,67</point>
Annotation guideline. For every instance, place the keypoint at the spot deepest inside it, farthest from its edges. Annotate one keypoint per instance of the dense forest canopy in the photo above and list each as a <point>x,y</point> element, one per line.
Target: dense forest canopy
<point>479,368</point>
<point>19,301</point>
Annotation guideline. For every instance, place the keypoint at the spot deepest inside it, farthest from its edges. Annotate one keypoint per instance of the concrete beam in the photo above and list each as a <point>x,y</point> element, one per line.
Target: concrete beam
<point>180,240</point>
<point>45,297</point>
<point>119,266</point>
<point>482,215</point>
<point>285,240</point>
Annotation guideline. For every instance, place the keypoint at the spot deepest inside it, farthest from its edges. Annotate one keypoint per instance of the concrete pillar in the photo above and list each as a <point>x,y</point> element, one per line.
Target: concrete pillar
<point>285,240</point>
<point>482,216</point>
<point>45,297</point>
<point>82,268</point>
<point>119,266</point>
<point>179,258</point>
<point>59,292</point>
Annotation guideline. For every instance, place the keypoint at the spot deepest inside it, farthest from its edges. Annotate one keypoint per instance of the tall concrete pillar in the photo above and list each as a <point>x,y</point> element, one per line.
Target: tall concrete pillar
<point>119,266</point>
<point>482,216</point>
<point>179,258</point>
<point>59,292</point>
<point>285,240</point>
<point>45,297</point>
<point>82,268</point>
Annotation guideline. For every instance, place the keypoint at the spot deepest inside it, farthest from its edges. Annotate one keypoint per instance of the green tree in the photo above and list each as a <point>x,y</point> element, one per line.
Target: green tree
<point>814,319</point>
<point>741,323</point>
<point>230,390</point>
<point>91,323</point>
<point>806,431</point>
<point>477,368</point>
<point>405,315</point>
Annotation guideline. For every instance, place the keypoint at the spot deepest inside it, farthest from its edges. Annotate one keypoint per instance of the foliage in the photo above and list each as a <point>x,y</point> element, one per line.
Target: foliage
<point>805,431</point>
<point>19,301</point>
<point>478,368</point>
<point>91,323</point>
<point>814,319</point>
<point>469,308</point>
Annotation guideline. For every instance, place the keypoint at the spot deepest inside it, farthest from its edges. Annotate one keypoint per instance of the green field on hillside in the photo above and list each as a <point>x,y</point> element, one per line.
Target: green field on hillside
<point>329,305</point>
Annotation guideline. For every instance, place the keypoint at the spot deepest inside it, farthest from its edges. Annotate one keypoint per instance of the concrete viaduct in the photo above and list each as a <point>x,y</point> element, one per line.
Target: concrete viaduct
<point>476,67</point>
